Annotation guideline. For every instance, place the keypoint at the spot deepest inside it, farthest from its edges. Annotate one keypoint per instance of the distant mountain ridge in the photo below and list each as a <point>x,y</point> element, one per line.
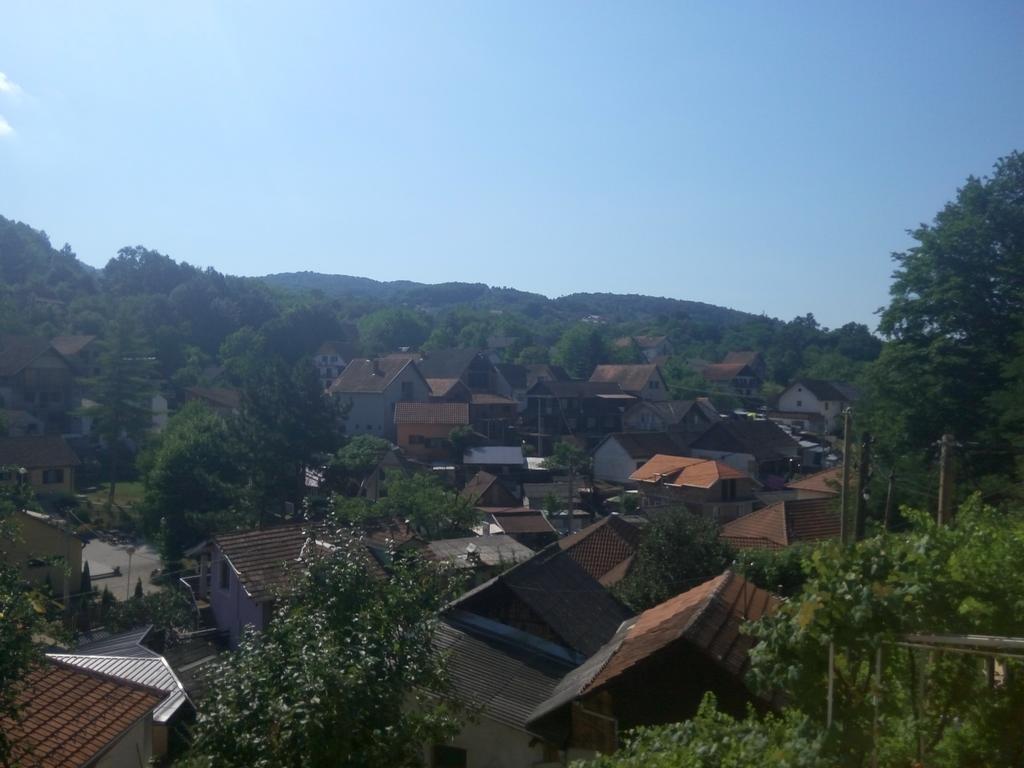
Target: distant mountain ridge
<point>613,307</point>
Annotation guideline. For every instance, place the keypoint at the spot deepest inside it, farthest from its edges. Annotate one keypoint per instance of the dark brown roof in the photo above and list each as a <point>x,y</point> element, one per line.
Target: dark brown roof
<point>828,390</point>
<point>16,352</point>
<point>454,414</point>
<point>362,375</point>
<point>572,604</point>
<point>602,547</point>
<point>709,618</point>
<point>446,363</point>
<point>726,371</point>
<point>631,378</point>
<point>69,717</point>
<point>224,397</point>
<point>71,345</point>
<point>764,440</point>
<point>477,486</point>
<point>37,452</point>
<point>519,520</point>
<point>784,523</point>
<point>489,398</point>
<point>262,558</point>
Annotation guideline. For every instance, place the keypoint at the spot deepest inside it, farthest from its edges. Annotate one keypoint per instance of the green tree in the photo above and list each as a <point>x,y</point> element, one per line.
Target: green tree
<point>387,330</point>
<point>191,475</point>
<point>573,461</point>
<point>678,551</point>
<point>345,675</point>
<point>432,510</point>
<point>287,423</point>
<point>357,458</point>
<point>957,307</point>
<point>122,391</point>
<point>580,349</point>
<point>713,739</point>
<point>963,578</point>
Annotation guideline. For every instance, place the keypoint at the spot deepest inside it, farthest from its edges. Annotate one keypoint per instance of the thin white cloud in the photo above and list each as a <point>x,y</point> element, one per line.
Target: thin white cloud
<point>9,86</point>
<point>5,127</point>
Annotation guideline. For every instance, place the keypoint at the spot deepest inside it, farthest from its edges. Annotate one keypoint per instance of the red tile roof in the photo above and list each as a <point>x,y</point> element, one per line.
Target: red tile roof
<point>709,617</point>
<point>69,717</point>
<point>600,549</point>
<point>454,414</point>
<point>685,471</point>
<point>631,378</point>
<point>827,481</point>
<point>784,523</point>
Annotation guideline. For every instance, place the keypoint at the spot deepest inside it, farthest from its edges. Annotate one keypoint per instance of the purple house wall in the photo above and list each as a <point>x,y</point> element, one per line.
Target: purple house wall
<point>233,607</point>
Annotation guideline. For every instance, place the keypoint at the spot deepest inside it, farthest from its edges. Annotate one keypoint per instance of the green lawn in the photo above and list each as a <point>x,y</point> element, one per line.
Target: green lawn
<point>124,514</point>
<point>125,494</point>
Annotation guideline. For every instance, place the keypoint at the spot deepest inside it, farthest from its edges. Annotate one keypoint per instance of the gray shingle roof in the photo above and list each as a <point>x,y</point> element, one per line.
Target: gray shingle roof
<point>492,550</point>
<point>829,390</point>
<point>764,440</point>
<point>500,676</point>
<point>370,376</point>
<point>495,454</point>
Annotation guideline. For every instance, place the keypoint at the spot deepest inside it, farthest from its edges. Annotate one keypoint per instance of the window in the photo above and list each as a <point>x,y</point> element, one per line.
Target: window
<point>799,403</point>
<point>407,393</point>
<point>224,573</point>
<point>728,490</point>
<point>53,476</point>
<point>826,405</point>
<point>653,384</point>
<point>449,757</point>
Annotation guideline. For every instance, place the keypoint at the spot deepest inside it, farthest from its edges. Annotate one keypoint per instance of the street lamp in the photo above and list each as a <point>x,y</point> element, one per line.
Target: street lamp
<point>128,586</point>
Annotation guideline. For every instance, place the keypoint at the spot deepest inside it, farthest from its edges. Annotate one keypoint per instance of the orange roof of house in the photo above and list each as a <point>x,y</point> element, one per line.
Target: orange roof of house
<point>784,523</point>
<point>455,414</point>
<point>68,716</point>
<point>827,481</point>
<point>709,617</point>
<point>441,387</point>
<point>631,378</point>
<point>685,470</point>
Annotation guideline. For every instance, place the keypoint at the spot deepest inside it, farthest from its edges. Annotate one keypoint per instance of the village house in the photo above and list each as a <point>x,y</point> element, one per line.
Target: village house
<point>757,447</point>
<point>620,454</point>
<point>44,550</point>
<point>20,423</point>
<point>824,484</point>
<point>494,416</point>
<point>658,666</point>
<point>704,486</point>
<point>226,401</point>
<point>470,366</point>
<point>35,377</point>
<point>371,389</point>
<point>753,360</point>
<point>79,718</point>
<point>487,490</point>
<point>733,378</point>
<point>514,381</point>
<point>783,523</point>
<point>504,461</point>
<point>587,410</point>
<point>527,526</point>
<point>653,348</point>
<point>645,382</point>
<point>670,416</point>
<point>126,658</point>
<point>81,351</point>
<point>48,462</point>
<point>826,399</point>
<point>330,360</point>
<point>423,429</point>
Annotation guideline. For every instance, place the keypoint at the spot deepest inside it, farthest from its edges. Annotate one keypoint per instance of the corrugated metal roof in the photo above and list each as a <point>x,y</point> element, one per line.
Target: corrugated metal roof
<point>492,550</point>
<point>152,672</point>
<point>123,644</point>
<point>495,454</point>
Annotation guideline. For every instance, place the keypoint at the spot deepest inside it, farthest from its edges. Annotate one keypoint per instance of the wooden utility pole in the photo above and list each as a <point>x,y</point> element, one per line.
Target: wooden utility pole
<point>889,498</point>
<point>844,503</point>
<point>946,480</point>
<point>863,477</point>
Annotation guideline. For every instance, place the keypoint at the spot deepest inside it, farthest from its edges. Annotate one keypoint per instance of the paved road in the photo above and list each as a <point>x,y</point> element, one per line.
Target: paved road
<point>103,558</point>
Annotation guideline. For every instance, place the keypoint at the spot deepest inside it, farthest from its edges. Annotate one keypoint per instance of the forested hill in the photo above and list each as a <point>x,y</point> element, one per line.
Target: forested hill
<point>612,307</point>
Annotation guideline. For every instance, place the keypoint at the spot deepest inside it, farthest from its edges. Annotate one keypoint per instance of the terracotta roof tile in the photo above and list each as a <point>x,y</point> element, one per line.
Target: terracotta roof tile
<point>685,471</point>
<point>602,547</point>
<point>826,481</point>
<point>454,414</point>
<point>69,717</point>
<point>631,378</point>
<point>784,523</point>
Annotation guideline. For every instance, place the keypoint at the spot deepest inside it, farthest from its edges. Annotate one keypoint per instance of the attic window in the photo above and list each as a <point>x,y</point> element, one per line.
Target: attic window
<point>224,574</point>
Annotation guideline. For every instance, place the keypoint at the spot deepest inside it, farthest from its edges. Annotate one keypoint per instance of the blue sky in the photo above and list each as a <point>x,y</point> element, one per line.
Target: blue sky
<point>763,156</point>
